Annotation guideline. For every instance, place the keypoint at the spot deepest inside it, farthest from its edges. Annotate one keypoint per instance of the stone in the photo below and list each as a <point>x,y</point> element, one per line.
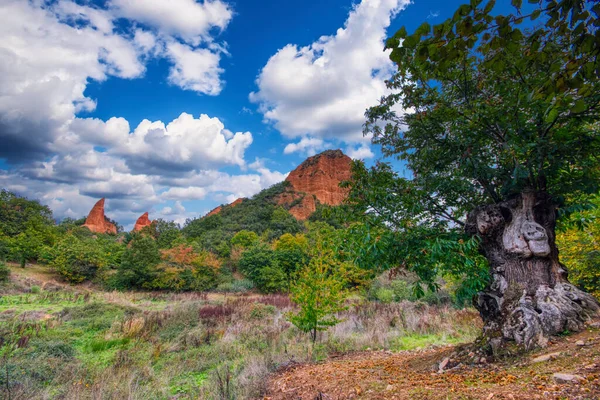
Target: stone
<point>97,222</point>
<point>545,357</point>
<point>580,343</point>
<point>567,378</point>
<point>317,180</point>
<point>142,222</point>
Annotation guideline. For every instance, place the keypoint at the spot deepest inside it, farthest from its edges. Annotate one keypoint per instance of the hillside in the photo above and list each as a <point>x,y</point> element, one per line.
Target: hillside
<point>310,188</point>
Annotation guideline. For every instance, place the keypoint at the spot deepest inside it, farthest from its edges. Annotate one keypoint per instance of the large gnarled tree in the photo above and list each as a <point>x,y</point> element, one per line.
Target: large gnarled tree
<point>500,133</point>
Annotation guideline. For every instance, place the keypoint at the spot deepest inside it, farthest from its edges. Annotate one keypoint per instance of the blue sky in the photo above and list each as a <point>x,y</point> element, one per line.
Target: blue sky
<point>104,98</point>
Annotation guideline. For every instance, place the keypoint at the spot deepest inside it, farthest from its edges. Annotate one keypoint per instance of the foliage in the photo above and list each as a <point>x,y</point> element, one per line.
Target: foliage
<point>291,253</point>
<point>138,264</point>
<point>18,213</point>
<point>260,265</point>
<point>320,292</point>
<point>77,260</point>
<point>495,109</point>
<point>580,247</point>
<point>4,272</point>
<point>244,239</point>
<point>258,214</point>
<point>165,232</point>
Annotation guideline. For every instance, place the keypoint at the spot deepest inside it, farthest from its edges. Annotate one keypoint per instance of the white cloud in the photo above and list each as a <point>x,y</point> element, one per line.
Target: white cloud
<point>195,69</point>
<point>323,89</point>
<point>180,193</point>
<point>307,145</point>
<point>189,20</point>
<point>360,153</point>
<point>186,143</point>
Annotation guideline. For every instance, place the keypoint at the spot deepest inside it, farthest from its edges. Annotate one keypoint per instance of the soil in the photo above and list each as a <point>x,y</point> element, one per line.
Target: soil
<point>416,375</point>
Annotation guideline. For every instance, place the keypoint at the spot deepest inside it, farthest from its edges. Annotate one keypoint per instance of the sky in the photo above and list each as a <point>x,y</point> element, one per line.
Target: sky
<point>176,106</point>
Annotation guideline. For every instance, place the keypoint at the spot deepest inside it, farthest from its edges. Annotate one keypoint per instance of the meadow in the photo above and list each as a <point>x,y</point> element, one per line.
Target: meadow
<point>81,342</point>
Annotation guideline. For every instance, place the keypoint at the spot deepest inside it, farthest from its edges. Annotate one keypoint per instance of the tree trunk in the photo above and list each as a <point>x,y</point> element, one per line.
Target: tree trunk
<point>529,297</point>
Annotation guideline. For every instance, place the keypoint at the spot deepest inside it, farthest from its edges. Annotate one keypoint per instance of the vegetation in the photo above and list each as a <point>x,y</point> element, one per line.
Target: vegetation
<point>75,343</point>
<point>320,292</point>
<point>503,132</point>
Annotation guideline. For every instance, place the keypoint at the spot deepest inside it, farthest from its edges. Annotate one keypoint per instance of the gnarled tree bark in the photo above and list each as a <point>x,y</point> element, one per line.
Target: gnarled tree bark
<point>529,297</point>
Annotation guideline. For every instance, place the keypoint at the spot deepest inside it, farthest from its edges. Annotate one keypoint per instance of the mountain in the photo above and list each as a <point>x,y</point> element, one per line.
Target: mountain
<point>316,181</point>
<point>307,191</point>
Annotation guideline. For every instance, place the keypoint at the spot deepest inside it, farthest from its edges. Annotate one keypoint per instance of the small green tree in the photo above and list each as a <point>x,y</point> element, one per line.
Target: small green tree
<point>245,239</point>
<point>320,292</point>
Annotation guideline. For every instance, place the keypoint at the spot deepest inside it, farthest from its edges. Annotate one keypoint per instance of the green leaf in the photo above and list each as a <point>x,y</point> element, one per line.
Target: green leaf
<point>535,15</point>
<point>516,3</point>
<point>401,33</point>
<point>579,106</point>
<point>489,6</point>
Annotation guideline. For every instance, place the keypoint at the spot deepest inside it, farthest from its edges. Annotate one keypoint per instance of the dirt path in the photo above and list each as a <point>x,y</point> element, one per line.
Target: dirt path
<point>410,375</point>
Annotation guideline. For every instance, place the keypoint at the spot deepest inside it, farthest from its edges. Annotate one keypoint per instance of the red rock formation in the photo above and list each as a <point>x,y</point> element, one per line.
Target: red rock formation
<point>96,220</point>
<point>317,178</point>
<point>142,222</point>
<point>218,209</point>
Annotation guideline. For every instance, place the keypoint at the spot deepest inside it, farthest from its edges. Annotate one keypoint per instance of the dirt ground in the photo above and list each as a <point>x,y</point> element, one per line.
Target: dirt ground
<point>415,375</point>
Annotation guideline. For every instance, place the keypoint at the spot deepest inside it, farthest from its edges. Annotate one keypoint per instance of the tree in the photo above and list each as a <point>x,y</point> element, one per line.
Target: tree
<point>291,252</point>
<point>320,292</point>
<point>244,239</point>
<point>502,132</point>
<point>579,243</point>
<point>260,265</point>
<point>138,264</point>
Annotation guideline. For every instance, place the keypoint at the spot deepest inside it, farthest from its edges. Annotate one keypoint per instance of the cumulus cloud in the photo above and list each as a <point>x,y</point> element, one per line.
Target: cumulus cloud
<point>323,89</point>
<point>361,152</point>
<point>307,145</point>
<point>189,20</point>
<point>49,54</point>
<point>195,69</point>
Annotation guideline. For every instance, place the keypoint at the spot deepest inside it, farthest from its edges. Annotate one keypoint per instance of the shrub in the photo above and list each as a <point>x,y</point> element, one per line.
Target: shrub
<point>384,295</point>
<point>260,266</point>
<point>244,239</point>
<point>138,264</point>
<point>77,260</point>
<point>4,272</point>
<point>235,286</point>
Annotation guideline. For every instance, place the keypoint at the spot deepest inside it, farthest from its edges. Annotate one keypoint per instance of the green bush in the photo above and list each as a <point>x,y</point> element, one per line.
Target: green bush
<point>236,286</point>
<point>4,272</point>
<point>77,260</point>
<point>261,267</point>
<point>384,295</point>
<point>138,265</point>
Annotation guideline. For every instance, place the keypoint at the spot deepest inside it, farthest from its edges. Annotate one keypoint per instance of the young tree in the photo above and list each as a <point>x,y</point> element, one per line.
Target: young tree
<point>320,292</point>
<point>502,128</point>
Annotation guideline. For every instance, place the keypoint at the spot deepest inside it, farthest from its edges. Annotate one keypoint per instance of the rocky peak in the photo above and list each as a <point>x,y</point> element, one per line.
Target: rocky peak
<point>142,222</point>
<point>97,222</point>
<point>317,179</point>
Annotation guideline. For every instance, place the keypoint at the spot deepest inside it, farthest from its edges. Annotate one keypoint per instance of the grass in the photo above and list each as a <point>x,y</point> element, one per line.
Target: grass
<point>105,345</point>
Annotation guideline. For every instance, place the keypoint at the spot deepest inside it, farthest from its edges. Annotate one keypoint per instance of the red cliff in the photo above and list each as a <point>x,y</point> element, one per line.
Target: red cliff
<point>142,222</point>
<point>97,222</point>
<point>317,179</point>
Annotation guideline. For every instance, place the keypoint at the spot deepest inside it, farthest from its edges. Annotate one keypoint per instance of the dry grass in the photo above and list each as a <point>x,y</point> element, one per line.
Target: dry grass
<point>110,345</point>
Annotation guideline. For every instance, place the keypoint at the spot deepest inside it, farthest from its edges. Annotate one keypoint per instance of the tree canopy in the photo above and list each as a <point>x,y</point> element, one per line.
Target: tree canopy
<point>481,108</point>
